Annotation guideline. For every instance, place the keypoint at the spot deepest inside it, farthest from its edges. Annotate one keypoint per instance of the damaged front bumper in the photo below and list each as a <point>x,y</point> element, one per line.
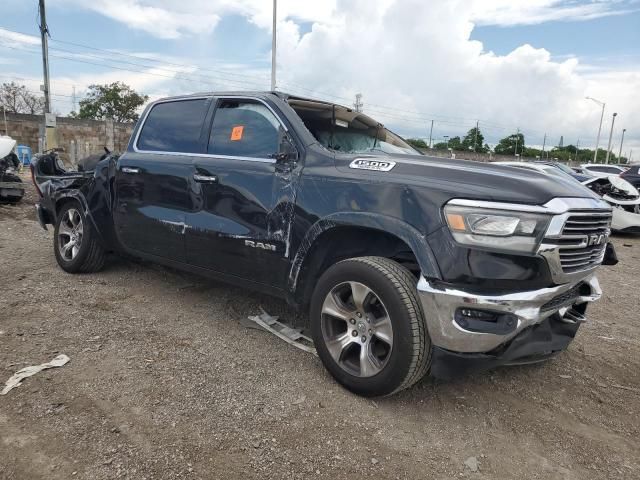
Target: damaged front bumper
<point>470,331</point>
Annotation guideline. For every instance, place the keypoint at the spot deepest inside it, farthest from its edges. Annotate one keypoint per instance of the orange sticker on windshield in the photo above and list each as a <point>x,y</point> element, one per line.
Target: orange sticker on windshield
<point>236,133</point>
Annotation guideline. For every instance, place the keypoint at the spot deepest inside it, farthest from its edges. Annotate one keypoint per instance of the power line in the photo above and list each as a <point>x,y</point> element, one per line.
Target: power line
<point>175,75</point>
<point>138,57</point>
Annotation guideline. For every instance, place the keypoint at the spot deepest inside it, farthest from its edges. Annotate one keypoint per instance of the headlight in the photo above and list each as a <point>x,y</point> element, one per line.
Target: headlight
<point>507,230</point>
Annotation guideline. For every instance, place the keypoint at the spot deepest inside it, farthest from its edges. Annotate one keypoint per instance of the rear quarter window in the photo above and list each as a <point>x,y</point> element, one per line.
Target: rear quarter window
<point>174,127</point>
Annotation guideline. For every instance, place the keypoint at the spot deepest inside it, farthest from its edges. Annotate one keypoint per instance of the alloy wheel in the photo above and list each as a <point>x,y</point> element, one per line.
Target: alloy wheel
<point>70,234</point>
<point>356,329</point>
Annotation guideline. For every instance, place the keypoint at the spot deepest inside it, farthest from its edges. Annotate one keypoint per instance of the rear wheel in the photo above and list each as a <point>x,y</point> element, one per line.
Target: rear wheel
<point>368,326</point>
<point>75,244</point>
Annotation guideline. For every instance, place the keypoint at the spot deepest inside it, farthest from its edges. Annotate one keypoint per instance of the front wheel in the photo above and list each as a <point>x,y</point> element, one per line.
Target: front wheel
<point>74,242</point>
<point>368,326</point>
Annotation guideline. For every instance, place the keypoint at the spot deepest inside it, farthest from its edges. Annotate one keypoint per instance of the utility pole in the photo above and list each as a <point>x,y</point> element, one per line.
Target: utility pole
<point>621,141</point>
<point>273,48</point>
<point>515,152</point>
<point>602,104</point>
<point>357,105</point>
<point>577,148</point>
<point>49,139</point>
<point>613,121</point>
<point>475,137</point>
<point>73,98</point>
<point>44,34</point>
<point>6,128</point>
<point>544,144</point>
<point>430,133</point>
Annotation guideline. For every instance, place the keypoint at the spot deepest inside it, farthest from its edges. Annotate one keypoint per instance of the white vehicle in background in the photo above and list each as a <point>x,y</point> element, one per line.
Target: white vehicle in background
<point>616,191</point>
<point>11,186</point>
<point>599,169</point>
<point>623,197</point>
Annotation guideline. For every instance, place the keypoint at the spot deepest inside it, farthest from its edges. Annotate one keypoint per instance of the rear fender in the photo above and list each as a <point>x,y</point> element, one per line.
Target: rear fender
<point>78,197</point>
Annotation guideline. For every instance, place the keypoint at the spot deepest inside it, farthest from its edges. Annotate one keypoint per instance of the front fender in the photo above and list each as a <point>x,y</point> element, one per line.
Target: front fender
<point>410,235</point>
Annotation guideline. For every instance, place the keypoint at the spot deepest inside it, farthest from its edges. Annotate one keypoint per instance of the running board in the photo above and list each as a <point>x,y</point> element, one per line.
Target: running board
<point>293,336</point>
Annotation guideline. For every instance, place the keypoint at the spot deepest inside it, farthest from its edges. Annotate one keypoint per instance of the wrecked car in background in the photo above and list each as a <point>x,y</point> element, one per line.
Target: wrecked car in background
<point>623,197</point>
<point>11,187</point>
<point>615,190</point>
<point>632,175</point>
<point>406,264</point>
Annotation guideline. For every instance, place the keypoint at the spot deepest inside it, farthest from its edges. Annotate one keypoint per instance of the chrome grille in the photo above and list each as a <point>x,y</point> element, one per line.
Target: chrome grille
<point>583,240</point>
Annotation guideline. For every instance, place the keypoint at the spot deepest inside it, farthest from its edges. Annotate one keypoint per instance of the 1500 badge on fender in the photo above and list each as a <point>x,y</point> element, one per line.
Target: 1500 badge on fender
<point>377,165</point>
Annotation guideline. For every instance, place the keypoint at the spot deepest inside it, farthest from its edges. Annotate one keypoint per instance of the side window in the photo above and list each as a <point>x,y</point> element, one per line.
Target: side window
<point>174,127</point>
<point>605,169</point>
<point>242,128</point>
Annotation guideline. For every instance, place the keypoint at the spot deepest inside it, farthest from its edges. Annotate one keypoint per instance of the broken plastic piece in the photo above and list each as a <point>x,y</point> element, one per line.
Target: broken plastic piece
<point>20,375</point>
<point>293,336</point>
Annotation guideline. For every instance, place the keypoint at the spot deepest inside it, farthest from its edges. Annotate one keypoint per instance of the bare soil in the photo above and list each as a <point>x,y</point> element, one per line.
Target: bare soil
<point>164,383</point>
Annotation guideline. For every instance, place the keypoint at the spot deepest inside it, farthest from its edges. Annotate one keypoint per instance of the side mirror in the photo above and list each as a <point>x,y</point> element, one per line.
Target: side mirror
<point>286,151</point>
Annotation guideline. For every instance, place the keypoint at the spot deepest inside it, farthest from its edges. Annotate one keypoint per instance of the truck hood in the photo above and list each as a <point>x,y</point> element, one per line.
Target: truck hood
<point>474,180</point>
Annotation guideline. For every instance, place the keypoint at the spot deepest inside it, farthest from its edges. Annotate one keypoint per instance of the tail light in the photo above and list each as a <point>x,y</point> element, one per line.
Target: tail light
<point>33,179</point>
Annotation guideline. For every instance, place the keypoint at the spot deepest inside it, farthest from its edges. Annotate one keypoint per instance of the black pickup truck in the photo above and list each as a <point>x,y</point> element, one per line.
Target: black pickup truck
<point>407,264</point>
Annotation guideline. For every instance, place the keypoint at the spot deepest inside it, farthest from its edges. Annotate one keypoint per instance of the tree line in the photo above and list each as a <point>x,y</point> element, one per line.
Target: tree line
<point>117,101</point>
<point>514,144</point>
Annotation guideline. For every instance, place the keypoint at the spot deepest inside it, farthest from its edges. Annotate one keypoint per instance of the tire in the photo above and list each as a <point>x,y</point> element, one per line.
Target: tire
<point>86,254</point>
<point>378,360</point>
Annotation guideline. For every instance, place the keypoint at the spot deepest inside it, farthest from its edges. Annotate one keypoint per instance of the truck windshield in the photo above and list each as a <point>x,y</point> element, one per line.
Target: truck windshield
<point>346,131</point>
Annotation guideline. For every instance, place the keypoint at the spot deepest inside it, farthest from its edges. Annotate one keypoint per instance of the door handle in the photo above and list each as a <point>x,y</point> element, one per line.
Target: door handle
<point>205,178</point>
<point>129,170</point>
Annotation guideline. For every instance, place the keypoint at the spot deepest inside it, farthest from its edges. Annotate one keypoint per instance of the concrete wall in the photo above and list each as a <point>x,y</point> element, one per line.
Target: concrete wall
<point>78,137</point>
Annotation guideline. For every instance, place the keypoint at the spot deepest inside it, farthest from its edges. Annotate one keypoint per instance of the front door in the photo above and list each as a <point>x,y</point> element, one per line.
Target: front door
<point>243,196</point>
<point>152,181</point>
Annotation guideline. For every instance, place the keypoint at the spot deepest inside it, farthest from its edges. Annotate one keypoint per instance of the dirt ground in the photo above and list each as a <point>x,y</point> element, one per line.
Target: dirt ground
<point>164,382</point>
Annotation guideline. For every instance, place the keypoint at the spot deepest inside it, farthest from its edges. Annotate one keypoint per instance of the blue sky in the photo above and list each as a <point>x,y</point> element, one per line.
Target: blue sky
<point>602,41</point>
<point>413,62</point>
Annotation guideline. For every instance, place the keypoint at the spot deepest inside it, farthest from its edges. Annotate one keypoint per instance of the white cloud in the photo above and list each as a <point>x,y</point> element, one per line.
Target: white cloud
<point>417,56</point>
<point>14,39</point>
<point>175,18</point>
<point>524,12</point>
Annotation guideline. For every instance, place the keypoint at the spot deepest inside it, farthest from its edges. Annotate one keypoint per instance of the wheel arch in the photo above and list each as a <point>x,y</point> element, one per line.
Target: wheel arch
<point>75,196</point>
<point>358,234</point>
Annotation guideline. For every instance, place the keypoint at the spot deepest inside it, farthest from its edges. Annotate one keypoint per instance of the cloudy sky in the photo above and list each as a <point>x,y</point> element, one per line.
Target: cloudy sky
<point>508,64</point>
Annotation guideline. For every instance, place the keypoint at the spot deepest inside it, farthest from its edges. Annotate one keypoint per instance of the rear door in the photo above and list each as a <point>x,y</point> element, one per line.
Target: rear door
<point>244,196</point>
<point>152,181</point>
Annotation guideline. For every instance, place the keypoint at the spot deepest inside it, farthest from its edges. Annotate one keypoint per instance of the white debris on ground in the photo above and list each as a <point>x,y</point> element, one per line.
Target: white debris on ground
<point>293,336</point>
<point>16,378</point>
<point>472,464</point>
